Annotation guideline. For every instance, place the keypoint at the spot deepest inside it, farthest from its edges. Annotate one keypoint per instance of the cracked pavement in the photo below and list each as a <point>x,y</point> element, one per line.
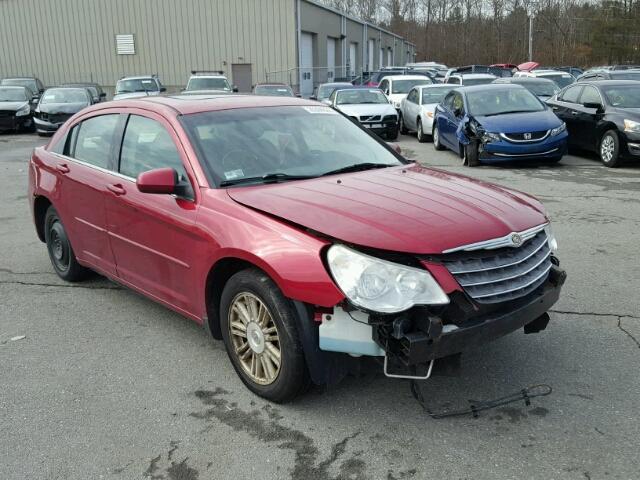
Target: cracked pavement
<point>108,384</point>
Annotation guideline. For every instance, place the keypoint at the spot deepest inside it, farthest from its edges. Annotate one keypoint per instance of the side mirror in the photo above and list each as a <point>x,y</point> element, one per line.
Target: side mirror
<point>396,148</point>
<point>235,89</point>
<point>326,101</point>
<point>159,180</point>
<point>163,89</point>
<point>597,106</point>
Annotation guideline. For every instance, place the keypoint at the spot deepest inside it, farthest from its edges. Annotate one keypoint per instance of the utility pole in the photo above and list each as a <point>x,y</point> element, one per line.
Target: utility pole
<point>531,37</point>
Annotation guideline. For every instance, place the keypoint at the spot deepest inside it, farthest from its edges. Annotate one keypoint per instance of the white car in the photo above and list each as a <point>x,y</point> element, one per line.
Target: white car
<point>131,87</point>
<point>370,107</point>
<point>204,80</point>
<point>467,79</point>
<point>561,78</point>
<point>417,110</point>
<point>396,87</point>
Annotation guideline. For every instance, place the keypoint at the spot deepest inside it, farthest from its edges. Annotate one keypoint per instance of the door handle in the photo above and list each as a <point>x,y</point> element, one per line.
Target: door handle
<point>554,108</point>
<point>63,168</point>
<point>116,188</point>
<point>575,113</point>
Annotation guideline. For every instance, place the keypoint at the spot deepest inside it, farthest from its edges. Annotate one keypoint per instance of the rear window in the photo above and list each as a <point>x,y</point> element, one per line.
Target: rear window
<point>208,83</point>
<point>403,86</point>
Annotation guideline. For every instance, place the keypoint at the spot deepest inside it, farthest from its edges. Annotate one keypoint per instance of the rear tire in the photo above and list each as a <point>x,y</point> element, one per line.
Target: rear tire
<point>269,358</point>
<point>610,149</point>
<point>60,251</point>
<point>420,133</point>
<point>436,137</point>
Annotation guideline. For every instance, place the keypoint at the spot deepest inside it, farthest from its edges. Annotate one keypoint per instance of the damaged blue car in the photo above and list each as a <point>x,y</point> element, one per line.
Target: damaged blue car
<point>498,123</point>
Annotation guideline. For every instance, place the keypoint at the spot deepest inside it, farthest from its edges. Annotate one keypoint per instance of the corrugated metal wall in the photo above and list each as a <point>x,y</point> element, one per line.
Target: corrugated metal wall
<point>74,40</point>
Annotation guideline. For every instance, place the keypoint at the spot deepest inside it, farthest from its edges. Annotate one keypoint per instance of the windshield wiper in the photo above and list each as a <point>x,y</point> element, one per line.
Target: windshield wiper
<point>266,178</point>
<point>358,167</point>
<point>508,112</point>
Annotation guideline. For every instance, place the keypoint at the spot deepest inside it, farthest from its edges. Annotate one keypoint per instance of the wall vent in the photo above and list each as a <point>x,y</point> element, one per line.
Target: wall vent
<point>125,44</point>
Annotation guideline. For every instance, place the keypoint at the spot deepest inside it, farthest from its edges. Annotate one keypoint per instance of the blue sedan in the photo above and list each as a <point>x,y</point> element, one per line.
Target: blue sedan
<point>498,123</point>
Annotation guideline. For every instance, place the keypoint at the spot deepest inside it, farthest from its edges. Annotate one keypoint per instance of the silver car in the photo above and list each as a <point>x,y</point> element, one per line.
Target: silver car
<point>370,107</point>
<point>417,109</point>
<point>131,87</point>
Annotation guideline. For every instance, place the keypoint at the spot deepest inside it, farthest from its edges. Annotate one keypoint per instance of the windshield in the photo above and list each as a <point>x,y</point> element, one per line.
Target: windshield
<point>301,141</point>
<point>65,95</point>
<point>624,96</point>
<point>356,97</point>
<point>626,76</point>
<point>403,86</point>
<point>495,102</point>
<point>12,95</point>
<point>561,80</point>
<point>325,91</point>
<point>434,95</point>
<point>208,83</point>
<point>273,90</point>
<point>137,85</point>
<point>541,89</point>
<point>21,82</point>
<point>477,81</point>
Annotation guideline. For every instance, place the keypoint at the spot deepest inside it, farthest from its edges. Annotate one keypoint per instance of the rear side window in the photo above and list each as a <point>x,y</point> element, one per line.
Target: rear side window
<point>572,94</point>
<point>94,140</point>
<point>147,145</point>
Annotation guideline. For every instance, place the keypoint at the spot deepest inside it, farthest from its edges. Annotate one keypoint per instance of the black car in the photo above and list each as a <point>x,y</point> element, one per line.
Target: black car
<point>57,105</point>
<point>602,116</point>
<point>610,75</point>
<point>16,110</point>
<point>96,90</point>
<point>32,83</point>
<point>542,88</point>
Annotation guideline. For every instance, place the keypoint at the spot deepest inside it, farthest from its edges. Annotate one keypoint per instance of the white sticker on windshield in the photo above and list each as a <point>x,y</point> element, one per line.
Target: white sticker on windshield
<point>321,109</point>
<point>233,174</point>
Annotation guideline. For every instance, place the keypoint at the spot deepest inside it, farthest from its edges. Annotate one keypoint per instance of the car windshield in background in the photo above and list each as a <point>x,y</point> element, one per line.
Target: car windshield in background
<point>137,85</point>
<point>434,95</point>
<point>403,86</point>
<point>207,83</point>
<point>65,95</point>
<point>627,76</point>
<point>355,97</point>
<point>541,89</point>
<point>496,102</point>
<point>325,91</point>
<point>378,76</point>
<point>12,95</point>
<point>293,141</point>
<point>274,90</point>
<point>561,80</point>
<point>477,81</point>
<point>624,96</point>
<point>21,82</point>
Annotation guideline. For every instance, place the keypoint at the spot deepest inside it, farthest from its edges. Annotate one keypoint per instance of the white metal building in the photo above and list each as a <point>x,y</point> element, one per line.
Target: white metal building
<point>299,42</point>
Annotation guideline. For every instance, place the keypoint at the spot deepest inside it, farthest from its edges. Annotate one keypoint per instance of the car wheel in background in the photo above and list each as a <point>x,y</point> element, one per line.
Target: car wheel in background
<point>421,136</point>
<point>470,155</point>
<point>436,137</point>
<point>403,128</point>
<point>60,252</point>
<point>259,329</point>
<point>610,149</point>
<point>393,135</point>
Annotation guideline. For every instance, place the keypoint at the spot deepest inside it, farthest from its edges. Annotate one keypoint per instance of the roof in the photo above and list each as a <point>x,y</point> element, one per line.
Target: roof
<point>435,85</point>
<point>334,84</point>
<point>270,84</point>
<point>473,75</point>
<point>405,77</point>
<point>19,78</point>
<point>523,80</point>
<point>14,86</point>
<point>550,72</point>
<point>188,104</point>
<point>139,77</point>
<point>609,83</point>
<point>487,87</point>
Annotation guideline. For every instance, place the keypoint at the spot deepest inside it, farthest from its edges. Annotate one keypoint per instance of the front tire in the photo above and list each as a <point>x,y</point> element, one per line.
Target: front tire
<point>403,128</point>
<point>470,155</point>
<point>393,135</point>
<point>60,251</point>
<point>610,149</point>
<point>436,137</point>
<point>259,329</point>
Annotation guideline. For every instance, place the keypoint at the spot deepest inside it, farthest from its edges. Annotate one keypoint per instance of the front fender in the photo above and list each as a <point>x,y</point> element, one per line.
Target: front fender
<point>462,132</point>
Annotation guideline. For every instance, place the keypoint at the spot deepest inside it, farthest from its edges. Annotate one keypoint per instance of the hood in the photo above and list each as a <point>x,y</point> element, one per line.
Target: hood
<point>367,109</point>
<point>408,209</point>
<point>121,96</point>
<point>61,107</point>
<point>630,113</point>
<point>520,122</point>
<point>12,106</point>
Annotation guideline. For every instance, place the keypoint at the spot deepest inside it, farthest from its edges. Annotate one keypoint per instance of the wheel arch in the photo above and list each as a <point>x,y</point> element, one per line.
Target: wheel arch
<point>40,206</point>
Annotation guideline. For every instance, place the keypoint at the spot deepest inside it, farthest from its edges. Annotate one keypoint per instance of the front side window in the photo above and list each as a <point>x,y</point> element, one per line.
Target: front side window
<point>590,95</point>
<point>94,139</point>
<point>572,94</point>
<point>309,141</point>
<point>357,97</point>
<point>498,102</point>
<point>413,96</point>
<point>403,86</point>
<point>146,146</point>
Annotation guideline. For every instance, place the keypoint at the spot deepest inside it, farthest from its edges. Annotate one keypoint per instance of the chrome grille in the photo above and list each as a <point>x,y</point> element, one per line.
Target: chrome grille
<point>370,118</point>
<point>493,276</point>
<point>525,137</point>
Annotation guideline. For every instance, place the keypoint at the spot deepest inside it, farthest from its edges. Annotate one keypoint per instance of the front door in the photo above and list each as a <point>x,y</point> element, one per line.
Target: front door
<point>241,76</point>
<point>153,236</point>
<point>587,118</point>
<point>567,109</point>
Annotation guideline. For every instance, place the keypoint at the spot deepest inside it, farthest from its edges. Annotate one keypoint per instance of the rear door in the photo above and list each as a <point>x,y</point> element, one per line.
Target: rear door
<point>153,237</point>
<point>83,172</point>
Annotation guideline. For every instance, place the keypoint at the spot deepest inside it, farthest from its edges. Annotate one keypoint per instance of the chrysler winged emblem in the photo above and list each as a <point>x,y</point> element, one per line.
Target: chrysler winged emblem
<point>516,240</point>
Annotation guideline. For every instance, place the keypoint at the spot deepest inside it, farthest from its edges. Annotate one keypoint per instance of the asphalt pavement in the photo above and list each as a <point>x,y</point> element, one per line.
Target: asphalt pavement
<point>107,384</point>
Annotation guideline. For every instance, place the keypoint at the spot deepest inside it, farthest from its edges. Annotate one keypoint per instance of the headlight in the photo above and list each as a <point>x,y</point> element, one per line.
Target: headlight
<point>553,243</point>
<point>559,130</point>
<point>631,126</point>
<point>430,114</point>
<point>490,137</point>
<point>24,110</point>
<point>379,285</point>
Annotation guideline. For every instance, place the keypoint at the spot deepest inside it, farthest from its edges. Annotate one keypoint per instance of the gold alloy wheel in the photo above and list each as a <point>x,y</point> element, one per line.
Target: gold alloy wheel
<point>254,338</point>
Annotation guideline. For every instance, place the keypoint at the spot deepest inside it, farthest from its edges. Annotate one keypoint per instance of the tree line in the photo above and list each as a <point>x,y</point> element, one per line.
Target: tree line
<point>462,32</point>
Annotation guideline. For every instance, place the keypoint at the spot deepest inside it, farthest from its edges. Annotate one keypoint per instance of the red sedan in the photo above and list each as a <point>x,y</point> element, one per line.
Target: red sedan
<point>292,233</point>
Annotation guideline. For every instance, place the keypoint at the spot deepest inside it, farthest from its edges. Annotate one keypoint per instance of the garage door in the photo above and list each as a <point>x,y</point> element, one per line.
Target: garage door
<point>306,64</point>
<point>331,59</point>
